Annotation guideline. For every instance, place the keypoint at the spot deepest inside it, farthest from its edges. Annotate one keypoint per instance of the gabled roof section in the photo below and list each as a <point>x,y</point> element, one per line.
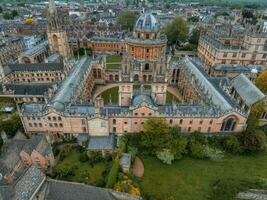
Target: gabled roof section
<point>247,90</point>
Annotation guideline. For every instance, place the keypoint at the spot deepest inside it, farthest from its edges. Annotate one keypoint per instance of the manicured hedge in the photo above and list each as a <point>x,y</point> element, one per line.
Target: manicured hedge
<point>113,173</point>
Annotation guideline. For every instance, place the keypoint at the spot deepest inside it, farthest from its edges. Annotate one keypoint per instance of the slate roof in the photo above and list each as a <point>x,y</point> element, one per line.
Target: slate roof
<point>62,190</point>
<point>33,67</point>
<point>101,142</point>
<point>27,89</point>
<point>247,90</point>
<point>35,49</point>
<point>138,99</point>
<point>11,150</point>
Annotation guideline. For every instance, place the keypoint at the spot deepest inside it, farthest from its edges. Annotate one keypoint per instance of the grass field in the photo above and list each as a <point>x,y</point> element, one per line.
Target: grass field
<point>114,92</point>
<point>113,62</point>
<point>191,179</point>
<point>84,173</point>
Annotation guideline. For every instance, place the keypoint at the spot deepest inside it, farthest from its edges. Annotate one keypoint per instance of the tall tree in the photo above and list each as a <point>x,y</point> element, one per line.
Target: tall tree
<point>193,39</point>
<point>177,31</point>
<point>126,20</point>
<point>156,136</point>
<point>261,81</point>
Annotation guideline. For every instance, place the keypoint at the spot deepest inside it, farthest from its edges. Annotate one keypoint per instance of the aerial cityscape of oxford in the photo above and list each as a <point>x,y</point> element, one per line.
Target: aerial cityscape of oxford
<point>133,100</point>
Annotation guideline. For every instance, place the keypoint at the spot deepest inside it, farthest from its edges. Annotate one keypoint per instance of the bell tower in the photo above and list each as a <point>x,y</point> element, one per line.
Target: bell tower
<point>57,36</point>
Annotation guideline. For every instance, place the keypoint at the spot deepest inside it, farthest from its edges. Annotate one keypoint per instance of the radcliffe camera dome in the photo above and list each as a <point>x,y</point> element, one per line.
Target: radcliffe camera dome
<point>147,23</point>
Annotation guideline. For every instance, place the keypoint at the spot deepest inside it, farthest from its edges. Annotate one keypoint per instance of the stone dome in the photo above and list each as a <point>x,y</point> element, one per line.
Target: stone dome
<point>147,23</point>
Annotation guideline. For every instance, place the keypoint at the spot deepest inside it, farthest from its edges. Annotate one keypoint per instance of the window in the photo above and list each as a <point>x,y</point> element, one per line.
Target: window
<point>35,124</point>
<point>211,121</point>
<point>84,129</point>
<point>30,124</point>
<point>50,124</point>
<point>83,121</point>
<point>114,121</point>
<point>60,125</point>
<point>143,114</point>
<point>125,123</point>
<point>171,121</point>
<point>28,118</point>
<point>40,124</point>
<point>49,118</point>
<point>243,55</point>
<point>55,124</point>
<point>54,118</point>
<point>234,55</point>
<point>135,113</point>
<point>191,121</point>
<point>33,118</point>
<point>147,50</point>
<point>147,36</point>
<point>114,129</point>
<point>264,55</point>
<point>201,121</point>
<point>224,55</point>
<point>149,114</point>
<point>135,122</point>
<point>189,129</point>
<point>59,118</point>
<point>181,121</point>
<point>142,122</point>
<point>209,129</point>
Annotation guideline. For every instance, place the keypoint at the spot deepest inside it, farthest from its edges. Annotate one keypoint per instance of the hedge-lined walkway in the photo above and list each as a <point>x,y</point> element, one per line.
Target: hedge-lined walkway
<point>138,168</point>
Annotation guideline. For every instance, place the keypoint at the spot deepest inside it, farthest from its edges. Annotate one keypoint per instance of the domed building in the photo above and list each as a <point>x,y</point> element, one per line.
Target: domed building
<point>145,59</point>
<point>145,56</point>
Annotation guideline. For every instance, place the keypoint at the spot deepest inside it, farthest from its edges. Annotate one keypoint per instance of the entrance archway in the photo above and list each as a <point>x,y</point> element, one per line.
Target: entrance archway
<point>229,124</point>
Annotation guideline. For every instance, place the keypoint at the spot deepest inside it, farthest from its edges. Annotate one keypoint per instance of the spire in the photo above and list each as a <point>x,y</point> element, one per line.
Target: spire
<point>52,7</point>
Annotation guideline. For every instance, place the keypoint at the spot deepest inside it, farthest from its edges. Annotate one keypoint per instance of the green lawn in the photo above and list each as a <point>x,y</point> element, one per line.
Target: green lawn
<point>170,98</point>
<point>137,87</point>
<point>191,179</point>
<point>113,62</point>
<point>114,92</point>
<point>84,173</point>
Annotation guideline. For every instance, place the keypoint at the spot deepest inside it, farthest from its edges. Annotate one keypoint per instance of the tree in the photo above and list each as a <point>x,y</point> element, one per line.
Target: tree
<point>193,19</point>
<point>261,81</point>
<point>178,147</point>
<point>231,144</point>
<point>112,176</point>
<point>193,39</point>
<point>165,156</point>
<point>64,170</point>
<point>253,141</point>
<point>8,16</point>
<point>197,150</point>
<point>247,13</point>
<point>156,136</point>
<point>126,20</point>
<point>14,13</point>
<point>177,31</point>
<point>1,9</point>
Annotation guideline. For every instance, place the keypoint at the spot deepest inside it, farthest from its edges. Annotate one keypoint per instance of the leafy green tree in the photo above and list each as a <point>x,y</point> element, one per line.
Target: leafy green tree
<point>231,144</point>
<point>11,126</point>
<point>165,156</point>
<point>253,141</point>
<point>178,147</point>
<point>126,20</point>
<point>193,19</point>
<point>1,9</point>
<point>64,170</point>
<point>177,31</point>
<point>112,176</point>
<point>193,39</point>
<point>14,13</point>
<point>8,16</point>
<point>261,81</point>
<point>156,136</point>
<point>197,150</point>
<point>247,13</point>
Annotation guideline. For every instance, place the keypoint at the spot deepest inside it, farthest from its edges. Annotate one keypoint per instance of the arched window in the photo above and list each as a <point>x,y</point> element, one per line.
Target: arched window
<point>136,77</point>
<point>228,125</point>
<point>111,77</point>
<point>114,121</point>
<point>55,41</point>
<point>144,78</point>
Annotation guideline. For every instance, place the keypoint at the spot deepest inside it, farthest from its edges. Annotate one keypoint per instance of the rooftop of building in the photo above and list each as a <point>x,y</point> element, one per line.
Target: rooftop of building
<point>35,49</point>
<point>147,22</point>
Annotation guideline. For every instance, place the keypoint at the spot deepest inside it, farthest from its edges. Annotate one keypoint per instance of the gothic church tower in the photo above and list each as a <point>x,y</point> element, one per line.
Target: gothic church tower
<point>57,36</point>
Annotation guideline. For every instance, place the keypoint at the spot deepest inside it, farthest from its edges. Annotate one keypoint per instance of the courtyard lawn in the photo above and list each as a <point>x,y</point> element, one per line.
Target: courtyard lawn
<point>114,93</point>
<point>191,179</point>
<point>170,98</point>
<point>113,62</point>
<point>84,173</point>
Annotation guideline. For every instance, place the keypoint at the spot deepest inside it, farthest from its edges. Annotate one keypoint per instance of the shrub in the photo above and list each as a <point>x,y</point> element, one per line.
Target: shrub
<point>11,126</point>
<point>165,156</point>
<point>132,150</point>
<point>215,141</point>
<point>178,147</point>
<point>198,137</point>
<point>94,157</point>
<point>64,170</point>
<point>231,144</point>
<point>112,176</point>
<point>213,153</point>
<point>197,150</point>
<point>65,152</point>
<point>253,141</point>
<point>83,157</point>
